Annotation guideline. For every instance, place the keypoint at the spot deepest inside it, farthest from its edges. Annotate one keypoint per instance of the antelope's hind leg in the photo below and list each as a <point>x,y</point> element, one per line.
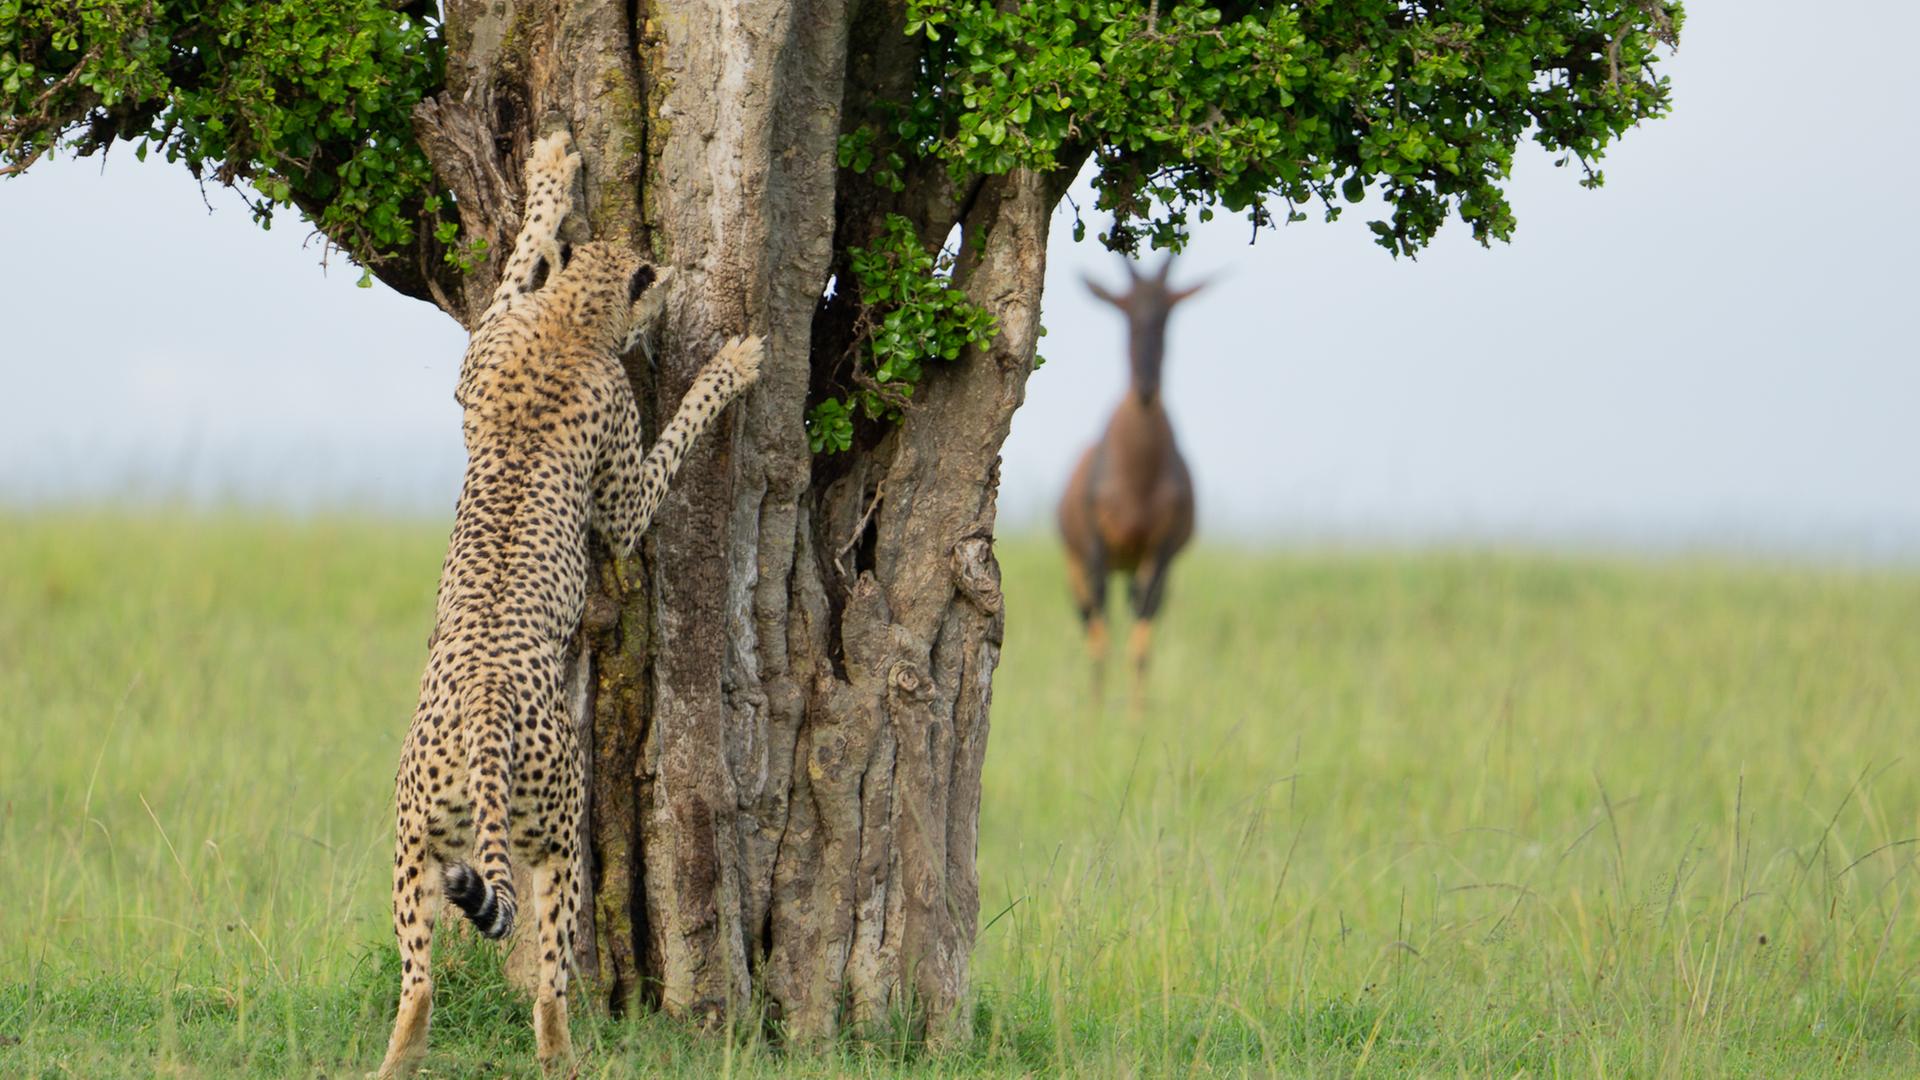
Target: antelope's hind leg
<point>1147,589</point>
<point>1087,578</point>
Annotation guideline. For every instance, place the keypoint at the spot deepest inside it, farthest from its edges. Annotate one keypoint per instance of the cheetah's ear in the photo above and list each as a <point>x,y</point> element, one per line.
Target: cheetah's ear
<point>642,279</point>
<point>647,294</point>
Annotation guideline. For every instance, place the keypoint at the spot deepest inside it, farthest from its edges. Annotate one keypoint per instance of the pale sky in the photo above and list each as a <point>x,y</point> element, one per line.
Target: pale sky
<point>1712,351</point>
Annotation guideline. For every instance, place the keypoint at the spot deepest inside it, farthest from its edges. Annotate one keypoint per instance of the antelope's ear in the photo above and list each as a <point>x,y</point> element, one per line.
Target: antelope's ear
<point>1100,291</point>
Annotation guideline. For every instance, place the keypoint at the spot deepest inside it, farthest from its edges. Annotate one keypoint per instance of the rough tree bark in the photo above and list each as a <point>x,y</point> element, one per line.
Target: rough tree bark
<point>786,692</point>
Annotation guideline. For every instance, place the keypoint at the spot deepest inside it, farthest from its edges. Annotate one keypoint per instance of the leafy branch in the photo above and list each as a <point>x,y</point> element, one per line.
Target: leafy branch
<point>909,312</point>
<point>311,104</point>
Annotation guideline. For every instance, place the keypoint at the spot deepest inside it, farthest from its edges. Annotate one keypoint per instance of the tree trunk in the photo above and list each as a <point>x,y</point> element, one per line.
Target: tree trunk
<point>786,691</point>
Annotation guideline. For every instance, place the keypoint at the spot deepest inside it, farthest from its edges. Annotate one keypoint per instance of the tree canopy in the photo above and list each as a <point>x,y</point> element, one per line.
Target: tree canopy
<point>1189,106</point>
<point>311,103</point>
<point>1184,107</point>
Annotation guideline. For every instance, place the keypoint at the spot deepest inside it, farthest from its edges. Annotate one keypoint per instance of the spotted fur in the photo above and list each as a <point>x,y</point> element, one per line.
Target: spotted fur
<point>490,772</point>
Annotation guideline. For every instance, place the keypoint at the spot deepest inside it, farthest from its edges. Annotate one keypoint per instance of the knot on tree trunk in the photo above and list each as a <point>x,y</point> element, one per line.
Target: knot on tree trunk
<point>909,678</point>
<point>910,681</point>
<point>977,573</point>
<point>601,614</point>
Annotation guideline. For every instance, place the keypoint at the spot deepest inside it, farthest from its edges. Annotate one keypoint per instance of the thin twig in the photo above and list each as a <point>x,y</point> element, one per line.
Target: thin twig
<point>860,529</point>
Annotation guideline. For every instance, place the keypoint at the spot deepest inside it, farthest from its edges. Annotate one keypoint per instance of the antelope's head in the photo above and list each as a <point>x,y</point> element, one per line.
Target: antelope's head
<point>1147,303</point>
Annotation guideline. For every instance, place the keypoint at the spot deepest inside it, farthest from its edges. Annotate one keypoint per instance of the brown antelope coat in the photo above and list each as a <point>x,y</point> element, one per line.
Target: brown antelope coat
<point>1128,507</point>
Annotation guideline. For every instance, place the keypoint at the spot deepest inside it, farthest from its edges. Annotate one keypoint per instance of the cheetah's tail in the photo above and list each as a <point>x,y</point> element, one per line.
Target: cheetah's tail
<point>489,909</point>
<point>483,888</point>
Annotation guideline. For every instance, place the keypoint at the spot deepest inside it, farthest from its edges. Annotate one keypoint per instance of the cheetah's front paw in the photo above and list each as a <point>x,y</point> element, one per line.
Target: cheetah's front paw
<point>742,356</point>
<point>553,154</point>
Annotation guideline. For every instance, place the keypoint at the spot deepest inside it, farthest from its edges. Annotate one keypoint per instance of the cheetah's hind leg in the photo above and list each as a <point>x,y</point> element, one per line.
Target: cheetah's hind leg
<point>556,893</point>
<point>416,902</point>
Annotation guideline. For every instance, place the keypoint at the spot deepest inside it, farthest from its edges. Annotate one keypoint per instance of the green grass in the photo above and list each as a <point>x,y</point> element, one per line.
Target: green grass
<point>1387,814</point>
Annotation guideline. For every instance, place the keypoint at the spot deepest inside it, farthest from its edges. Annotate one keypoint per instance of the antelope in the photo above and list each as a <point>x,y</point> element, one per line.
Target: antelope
<point>1129,504</point>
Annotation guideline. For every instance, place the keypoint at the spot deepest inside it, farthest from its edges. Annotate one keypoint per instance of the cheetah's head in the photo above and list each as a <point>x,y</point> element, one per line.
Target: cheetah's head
<point>613,291</point>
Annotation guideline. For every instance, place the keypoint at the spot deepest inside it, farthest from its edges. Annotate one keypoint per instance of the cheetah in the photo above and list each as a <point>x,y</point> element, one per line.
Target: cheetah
<point>490,771</point>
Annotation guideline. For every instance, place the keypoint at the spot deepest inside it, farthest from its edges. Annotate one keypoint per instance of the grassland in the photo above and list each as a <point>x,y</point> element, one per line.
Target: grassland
<point>1387,814</point>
